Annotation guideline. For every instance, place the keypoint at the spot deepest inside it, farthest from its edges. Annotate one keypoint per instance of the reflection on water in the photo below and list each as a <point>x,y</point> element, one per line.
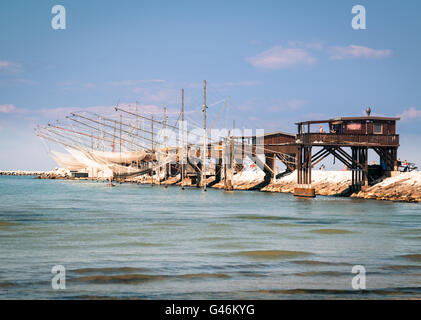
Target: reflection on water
<point>136,241</point>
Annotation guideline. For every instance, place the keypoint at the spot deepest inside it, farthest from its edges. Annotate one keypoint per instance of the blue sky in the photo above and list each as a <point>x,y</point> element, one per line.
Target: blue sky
<point>279,61</point>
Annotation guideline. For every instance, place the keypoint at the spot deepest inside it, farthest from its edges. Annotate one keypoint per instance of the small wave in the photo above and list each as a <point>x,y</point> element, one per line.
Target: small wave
<point>285,224</point>
<point>319,273</point>
<point>272,254</point>
<point>402,267</point>
<point>409,230</point>
<point>305,291</point>
<point>330,231</point>
<point>108,270</point>
<point>251,274</point>
<point>132,244</point>
<point>320,263</point>
<point>6,223</point>
<point>318,222</point>
<point>7,285</point>
<point>241,266</point>
<point>165,224</point>
<point>204,275</point>
<point>224,245</point>
<point>218,226</point>
<point>118,279</point>
<point>213,238</point>
<point>255,217</point>
<point>412,257</point>
<point>385,291</point>
<point>104,298</point>
<point>263,217</point>
<point>140,278</point>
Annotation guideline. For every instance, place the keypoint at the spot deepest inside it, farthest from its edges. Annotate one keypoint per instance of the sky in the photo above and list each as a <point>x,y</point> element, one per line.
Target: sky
<point>279,62</point>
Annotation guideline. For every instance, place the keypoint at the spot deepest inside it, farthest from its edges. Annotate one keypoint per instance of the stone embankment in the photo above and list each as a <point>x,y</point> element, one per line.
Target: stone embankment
<point>245,180</point>
<point>326,183</point>
<point>406,187</point>
<point>403,187</point>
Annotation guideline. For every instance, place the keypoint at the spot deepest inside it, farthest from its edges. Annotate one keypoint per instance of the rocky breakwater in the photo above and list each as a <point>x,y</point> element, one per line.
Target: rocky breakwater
<point>406,186</point>
<point>326,183</point>
<point>244,180</point>
<point>59,173</point>
<point>20,173</point>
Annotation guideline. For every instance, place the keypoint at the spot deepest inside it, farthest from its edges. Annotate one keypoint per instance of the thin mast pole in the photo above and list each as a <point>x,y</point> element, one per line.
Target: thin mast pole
<point>99,130</point>
<point>152,134</point>
<point>204,138</point>
<point>165,144</point>
<point>182,139</point>
<point>103,138</point>
<point>137,125</point>
<point>121,121</point>
<point>115,129</point>
<point>159,165</point>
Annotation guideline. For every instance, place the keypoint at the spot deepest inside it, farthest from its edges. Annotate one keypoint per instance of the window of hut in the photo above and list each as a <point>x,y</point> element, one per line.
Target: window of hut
<point>377,128</point>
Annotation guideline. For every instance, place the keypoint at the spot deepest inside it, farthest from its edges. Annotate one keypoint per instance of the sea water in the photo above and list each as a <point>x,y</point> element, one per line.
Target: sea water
<point>153,242</point>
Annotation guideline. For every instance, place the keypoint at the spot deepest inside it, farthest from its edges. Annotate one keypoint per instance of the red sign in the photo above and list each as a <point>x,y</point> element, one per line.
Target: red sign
<point>353,126</point>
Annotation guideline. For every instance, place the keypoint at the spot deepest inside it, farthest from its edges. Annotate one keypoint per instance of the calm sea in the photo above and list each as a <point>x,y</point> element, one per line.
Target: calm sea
<point>138,241</point>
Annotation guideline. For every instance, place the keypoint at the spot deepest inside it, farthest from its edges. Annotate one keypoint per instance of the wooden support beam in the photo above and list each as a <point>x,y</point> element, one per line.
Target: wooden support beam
<point>339,157</point>
<point>319,156</point>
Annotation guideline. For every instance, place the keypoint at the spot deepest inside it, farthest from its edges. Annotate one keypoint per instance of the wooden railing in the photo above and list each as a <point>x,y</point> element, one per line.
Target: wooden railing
<point>347,139</point>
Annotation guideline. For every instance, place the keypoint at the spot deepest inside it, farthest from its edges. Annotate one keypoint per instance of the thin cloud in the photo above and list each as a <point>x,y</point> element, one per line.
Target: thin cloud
<point>410,114</point>
<point>288,105</point>
<point>314,116</point>
<point>307,45</point>
<point>10,108</point>
<point>9,67</point>
<point>161,95</point>
<point>258,107</point>
<point>129,83</point>
<point>25,81</point>
<point>61,112</point>
<point>354,52</point>
<point>255,42</point>
<point>278,58</point>
<point>242,83</point>
<point>10,81</point>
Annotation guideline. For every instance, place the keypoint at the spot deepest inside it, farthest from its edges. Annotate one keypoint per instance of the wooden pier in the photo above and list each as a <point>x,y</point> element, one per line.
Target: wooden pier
<point>359,134</point>
<point>141,151</point>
